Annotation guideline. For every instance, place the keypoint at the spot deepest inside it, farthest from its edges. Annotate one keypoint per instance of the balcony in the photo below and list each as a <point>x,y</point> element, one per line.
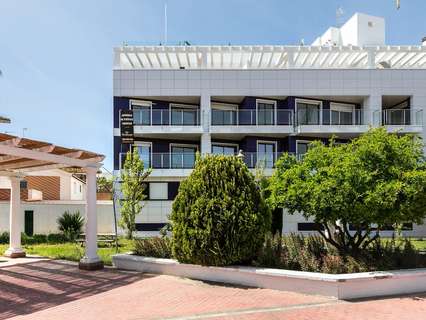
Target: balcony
<point>166,160</point>
<point>331,121</point>
<point>409,120</point>
<point>148,121</point>
<point>252,121</point>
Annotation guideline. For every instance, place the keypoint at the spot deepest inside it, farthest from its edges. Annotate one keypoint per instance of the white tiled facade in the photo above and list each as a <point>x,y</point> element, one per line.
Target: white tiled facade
<point>204,76</point>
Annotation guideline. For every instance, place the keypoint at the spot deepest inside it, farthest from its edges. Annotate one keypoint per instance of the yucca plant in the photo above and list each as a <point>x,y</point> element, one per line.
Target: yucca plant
<point>71,224</point>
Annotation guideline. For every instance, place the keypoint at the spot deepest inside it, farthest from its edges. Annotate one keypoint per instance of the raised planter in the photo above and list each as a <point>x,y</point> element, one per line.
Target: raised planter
<point>341,286</point>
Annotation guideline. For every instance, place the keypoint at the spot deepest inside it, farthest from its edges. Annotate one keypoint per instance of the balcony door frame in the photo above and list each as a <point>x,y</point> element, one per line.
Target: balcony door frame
<point>270,142</point>
<point>142,103</point>
<point>312,102</point>
<point>302,141</point>
<point>222,106</point>
<point>225,144</point>
<point>340,106</point>
<point>185,106</point>
<point>144,144</point>
<point>266,101</point>
<point>171,145</point>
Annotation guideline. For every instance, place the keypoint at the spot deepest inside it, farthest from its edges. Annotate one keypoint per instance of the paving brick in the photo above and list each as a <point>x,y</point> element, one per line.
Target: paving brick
<point>59,290</point>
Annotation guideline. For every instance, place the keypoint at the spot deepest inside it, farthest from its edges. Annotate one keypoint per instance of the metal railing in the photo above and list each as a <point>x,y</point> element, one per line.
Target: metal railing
<point>402,117</point>
<point>165,160</point>
<point>166,117</point>
<point>251,117</point>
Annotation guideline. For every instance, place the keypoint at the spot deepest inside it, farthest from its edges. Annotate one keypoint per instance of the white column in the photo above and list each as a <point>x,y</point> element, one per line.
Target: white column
<point>418,102</point>
<point>205,107</point>
<point>372,109</point>
<point>91,260</point>
<point>15,223</point>
<point>206,143</point>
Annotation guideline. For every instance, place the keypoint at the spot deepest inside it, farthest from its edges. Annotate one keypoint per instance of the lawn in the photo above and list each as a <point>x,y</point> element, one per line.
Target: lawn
<point>73,251</point>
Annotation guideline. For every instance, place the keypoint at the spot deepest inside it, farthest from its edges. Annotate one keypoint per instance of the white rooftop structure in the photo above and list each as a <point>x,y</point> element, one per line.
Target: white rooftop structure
<point>358,44</point>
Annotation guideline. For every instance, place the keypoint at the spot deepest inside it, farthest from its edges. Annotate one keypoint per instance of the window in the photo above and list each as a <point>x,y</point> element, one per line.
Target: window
<point>340,114</point>
<point>141,112</point>
<point>224,114</point>
<point>23,184</point>
<point>149,226</point>
<point>144,150</point>
<point>308,113</point>
<point>184,115</point>
<point>173,189</point>
<point>266,153</point>
<point>309,226</point>
<point>302,148</point>
<point>225,149</point>
<point>265,112</point>
<point>183,157</point>
<point>158,191</point>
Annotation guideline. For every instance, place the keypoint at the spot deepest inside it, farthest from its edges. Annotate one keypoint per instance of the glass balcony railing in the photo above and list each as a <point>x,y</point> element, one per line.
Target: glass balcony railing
<point>402,117</point>
<point>166,160</point>
<point>329,117</point>
<point>166,117</point>
<point>251,117</point>
<point>169,160</point>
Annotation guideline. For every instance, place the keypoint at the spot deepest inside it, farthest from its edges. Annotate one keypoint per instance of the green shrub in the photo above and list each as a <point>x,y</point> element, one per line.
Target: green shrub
<point>312,253</point>
<point>54,238</point>
<point>4,237</point>
<point>71,224</point>
<point>219,216</point>
<point>153,247</point>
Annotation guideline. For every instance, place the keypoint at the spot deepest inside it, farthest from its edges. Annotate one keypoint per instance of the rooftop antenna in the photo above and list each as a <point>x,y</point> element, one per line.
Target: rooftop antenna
<point>165,23</point>
<point>339,16</point>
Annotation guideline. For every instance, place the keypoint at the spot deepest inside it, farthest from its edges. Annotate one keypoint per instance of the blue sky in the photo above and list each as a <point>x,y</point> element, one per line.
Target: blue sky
<point>56,56</point>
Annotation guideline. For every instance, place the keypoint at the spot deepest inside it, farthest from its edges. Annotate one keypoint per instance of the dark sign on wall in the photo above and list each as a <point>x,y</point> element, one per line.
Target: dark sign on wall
<point>126,126</point>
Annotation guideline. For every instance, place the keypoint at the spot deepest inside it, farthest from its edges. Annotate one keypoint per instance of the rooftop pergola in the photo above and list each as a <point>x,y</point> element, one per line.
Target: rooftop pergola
<point>21,155</point>
<point>269,57</point>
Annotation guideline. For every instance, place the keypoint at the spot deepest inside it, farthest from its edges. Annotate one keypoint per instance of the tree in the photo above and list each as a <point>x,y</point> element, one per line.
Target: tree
<point>355,190</point>
<point>133,186</point>
<point>104,184</point>
<point>219,216</point>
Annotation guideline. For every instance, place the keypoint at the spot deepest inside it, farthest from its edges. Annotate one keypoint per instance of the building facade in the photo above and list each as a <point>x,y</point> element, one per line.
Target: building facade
<point>263,100</point>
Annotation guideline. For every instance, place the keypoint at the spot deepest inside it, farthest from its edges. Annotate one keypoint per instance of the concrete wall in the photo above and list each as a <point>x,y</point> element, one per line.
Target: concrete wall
<point>47,212</point>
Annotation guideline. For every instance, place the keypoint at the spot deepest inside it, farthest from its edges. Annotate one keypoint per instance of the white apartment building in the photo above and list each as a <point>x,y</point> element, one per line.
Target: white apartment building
<point>172,101</point>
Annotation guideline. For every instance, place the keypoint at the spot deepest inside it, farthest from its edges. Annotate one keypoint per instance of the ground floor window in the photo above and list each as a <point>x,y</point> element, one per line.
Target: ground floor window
<point>309,226</point>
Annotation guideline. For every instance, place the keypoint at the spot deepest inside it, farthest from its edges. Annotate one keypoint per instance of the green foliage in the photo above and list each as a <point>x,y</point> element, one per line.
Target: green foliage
<point>71,224</point>
<point>51,238</point>
<point>133,176</point>
<point>153,247</point>
<point>378,179</point>
<point>219,216</point>
<point>104,184</point>
<point>314,254</point>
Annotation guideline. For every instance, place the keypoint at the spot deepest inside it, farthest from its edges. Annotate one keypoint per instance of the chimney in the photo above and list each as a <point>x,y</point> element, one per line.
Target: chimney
<point>424,41</point>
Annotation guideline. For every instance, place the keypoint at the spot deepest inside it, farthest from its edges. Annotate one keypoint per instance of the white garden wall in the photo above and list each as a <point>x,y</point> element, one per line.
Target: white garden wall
<point>47,212</point>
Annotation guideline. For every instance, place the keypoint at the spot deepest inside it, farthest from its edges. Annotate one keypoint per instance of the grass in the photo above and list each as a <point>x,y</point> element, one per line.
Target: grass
<point>418,243</point>
<point>74,251</point>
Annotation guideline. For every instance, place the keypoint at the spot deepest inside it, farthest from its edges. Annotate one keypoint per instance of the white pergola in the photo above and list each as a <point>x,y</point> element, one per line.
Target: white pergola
<point>21,155</point>
<point>269,57</point>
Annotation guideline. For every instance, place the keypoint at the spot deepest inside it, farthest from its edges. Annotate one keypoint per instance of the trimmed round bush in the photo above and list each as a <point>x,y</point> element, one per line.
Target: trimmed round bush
<point>219,216</point>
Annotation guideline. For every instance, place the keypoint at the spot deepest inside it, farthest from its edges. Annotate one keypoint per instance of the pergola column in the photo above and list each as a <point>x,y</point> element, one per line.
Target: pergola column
<point>91,260</point>
<point>15,250</point>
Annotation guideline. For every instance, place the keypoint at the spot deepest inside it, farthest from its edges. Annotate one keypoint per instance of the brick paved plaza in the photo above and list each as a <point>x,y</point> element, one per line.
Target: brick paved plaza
<point>58,290</point>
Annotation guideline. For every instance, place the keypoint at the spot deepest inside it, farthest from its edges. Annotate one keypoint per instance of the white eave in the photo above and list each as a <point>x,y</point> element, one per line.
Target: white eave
<point>269,57</point>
